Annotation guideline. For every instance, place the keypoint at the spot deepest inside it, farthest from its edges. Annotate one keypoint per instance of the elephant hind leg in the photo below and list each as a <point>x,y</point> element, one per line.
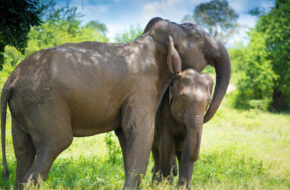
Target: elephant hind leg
<point>51,133</point>
<point>156,177</point>
<point>24,152</point>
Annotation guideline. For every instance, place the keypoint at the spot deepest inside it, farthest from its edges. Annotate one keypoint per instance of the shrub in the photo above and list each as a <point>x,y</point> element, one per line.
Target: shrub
<point>114,151</point>
<point>256,79</point>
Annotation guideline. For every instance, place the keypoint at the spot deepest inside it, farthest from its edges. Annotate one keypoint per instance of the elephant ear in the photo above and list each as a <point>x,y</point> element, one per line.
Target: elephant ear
<point>173,58</point>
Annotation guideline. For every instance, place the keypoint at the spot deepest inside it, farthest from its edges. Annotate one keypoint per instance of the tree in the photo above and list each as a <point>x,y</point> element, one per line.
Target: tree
<point>265,61</point>
<point>275,26</point>
<point>60,25</point>
<point>216,16</point>
<point>16,19</point>
<point>256,77</point>
<point>98,26</point>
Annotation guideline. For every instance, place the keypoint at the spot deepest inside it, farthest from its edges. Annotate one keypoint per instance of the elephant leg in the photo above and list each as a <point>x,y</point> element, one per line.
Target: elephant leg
<point>156,168</point>
<point>51,133</point>
<point>138,127</point>
<point>122,141</point>
<point>41,166</point>
<point>185,175</point>
<point>24,152</point>
<point>167,155</point>
<point>186,166</point>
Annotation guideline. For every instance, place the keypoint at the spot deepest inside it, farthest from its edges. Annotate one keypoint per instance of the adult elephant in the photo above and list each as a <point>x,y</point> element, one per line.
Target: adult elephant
<point>83,89</point>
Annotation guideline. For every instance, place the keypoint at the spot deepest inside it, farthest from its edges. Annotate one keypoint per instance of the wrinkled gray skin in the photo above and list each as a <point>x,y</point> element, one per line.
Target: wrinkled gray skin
<point>179,122</point>
<point>88,88</point>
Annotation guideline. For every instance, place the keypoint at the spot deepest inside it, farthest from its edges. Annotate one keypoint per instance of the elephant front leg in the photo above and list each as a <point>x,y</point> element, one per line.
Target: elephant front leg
<point>185,166</point>
<point>122,141</point>
<point>167,158</point>
<point>138,128</point>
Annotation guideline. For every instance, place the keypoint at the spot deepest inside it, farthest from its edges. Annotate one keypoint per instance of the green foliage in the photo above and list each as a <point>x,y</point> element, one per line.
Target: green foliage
<point>16,19</point>
<point>237,168</point>
<point>256,11</point>
<point>62,26</point>
<point>264,77</point>
<point>113,149</point>
<point>216,16</point>
<point>100,27</point>
<point>127,36</point>
<point>276,29</point>
<point>257,78</point>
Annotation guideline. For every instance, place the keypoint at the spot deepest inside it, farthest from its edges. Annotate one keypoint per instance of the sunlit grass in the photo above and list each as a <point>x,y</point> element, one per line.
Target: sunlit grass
<point>241,149</point>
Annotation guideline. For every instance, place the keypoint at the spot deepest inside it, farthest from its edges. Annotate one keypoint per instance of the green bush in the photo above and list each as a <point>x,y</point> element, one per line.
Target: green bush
<point>256,78</point>
<point>275,26</point>
<point>61,26</point>
<point>263,65</point>
<point>127,36</point>
<point>113,149</point>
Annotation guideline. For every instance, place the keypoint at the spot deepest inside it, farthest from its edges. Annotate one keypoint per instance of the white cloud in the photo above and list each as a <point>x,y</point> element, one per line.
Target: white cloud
<point>89,11</point>
<point>267,5</point>
<point>114,29</point>
<point>246,21</point>
<point>239,6</point>
<point>119,21</point>
<point>162,8</point>
<point>101,9</point>
<point>173,10</point>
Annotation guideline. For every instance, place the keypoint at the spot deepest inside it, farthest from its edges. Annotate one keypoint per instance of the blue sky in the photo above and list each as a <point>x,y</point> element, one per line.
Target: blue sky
<point>119,15</point>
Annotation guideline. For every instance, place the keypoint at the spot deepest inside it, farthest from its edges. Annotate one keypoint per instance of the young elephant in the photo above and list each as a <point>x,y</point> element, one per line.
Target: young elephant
<point>179,122</point>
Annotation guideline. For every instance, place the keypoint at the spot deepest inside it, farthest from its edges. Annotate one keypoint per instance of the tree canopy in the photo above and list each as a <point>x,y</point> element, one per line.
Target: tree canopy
<point>98,26</point>
<point>264,62</point>
<point>216,16</point>
<point>16,19</point>
<point>276,29</point>
<point>60,25</point>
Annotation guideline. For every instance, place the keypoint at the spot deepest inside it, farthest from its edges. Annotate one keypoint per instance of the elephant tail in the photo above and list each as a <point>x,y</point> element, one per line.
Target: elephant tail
<point>6,92</point>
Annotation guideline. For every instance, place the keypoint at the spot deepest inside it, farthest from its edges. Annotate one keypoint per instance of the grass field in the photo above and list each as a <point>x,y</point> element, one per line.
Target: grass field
<point>241,149</point>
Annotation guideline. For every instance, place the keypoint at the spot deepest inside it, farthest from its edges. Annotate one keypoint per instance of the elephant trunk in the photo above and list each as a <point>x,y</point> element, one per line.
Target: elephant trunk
<point>222,66</point>
<point>194,130</point>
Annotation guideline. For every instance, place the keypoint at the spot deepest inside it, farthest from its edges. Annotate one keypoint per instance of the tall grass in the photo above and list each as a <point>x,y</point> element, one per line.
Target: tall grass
<point>241,149</point>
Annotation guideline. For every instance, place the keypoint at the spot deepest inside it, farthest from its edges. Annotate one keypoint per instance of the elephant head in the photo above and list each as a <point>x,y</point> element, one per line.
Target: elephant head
<point>191,94</point>
<point>188,46</point>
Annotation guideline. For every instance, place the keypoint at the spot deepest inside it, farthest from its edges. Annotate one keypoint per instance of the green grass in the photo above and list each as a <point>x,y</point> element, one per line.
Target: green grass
<point>241,149</point>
